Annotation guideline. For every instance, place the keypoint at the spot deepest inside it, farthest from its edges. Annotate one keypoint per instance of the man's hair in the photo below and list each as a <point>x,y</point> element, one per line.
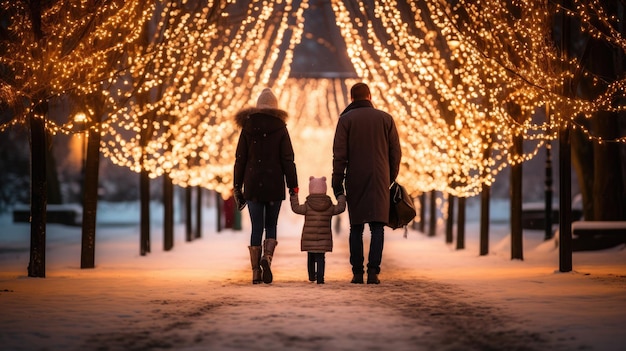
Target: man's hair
<point>360,91</point>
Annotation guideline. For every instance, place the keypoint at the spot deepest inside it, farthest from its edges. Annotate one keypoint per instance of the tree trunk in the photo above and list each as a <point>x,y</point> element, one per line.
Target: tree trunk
<point>38,173</point>
<point>485,196</point>
<point>549,191</point>
<point>422,224</point>
<point>38,204</point>
<point>565,199</point>
<point>198,231</point>
<point>565,161</point>
<point>460,225</point>
<point>450,220</point>
<point>144,194</point>
<point>90,199</point>
<point>608,188</point>
<point>168,213</point>
<point>432,228</point>
<point>517,251</point>
<point>516,212</point>
<point>219,203</point>
<point>517,150</point>
<point>188,217</point>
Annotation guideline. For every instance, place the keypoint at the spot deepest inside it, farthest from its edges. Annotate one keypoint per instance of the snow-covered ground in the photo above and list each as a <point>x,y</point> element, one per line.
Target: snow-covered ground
<point>199,296</point>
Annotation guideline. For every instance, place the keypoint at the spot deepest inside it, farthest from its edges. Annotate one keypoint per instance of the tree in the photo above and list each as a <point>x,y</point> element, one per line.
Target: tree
<point>50,49</point>
<point>597,42</point>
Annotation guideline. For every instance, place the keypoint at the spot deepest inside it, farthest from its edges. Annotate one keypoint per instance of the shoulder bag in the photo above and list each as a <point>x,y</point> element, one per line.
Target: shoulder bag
<point>401,207</point>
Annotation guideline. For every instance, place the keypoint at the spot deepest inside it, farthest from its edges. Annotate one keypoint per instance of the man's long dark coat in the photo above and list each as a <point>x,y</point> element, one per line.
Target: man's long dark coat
<point>366,159</point>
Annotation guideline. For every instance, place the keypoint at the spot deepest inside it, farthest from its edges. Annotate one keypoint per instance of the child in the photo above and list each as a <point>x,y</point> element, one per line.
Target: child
<point>317,236</point>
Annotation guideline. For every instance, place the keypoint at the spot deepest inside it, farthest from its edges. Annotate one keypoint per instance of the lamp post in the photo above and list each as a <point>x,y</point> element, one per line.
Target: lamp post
<point>81,122</point>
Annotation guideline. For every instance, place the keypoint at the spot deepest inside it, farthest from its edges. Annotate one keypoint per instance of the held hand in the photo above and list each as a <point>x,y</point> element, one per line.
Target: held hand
<point>338,191</point>
<point>239,199</point>
<point>293,191</point>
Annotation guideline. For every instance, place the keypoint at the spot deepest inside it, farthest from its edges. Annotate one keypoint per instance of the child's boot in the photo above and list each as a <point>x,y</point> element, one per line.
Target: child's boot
<point>321,267</point>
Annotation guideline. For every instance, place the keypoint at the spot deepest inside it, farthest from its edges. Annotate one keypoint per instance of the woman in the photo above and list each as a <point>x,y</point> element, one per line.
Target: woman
<point>263,162</point>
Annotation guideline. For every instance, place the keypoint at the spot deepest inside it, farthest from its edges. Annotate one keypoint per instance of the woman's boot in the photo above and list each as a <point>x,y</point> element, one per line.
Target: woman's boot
<point>266,261</point>
<point>255,259</point>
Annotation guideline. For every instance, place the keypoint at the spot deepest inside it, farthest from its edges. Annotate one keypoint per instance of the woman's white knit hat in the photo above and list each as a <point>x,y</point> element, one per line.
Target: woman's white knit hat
<point>267,99</point>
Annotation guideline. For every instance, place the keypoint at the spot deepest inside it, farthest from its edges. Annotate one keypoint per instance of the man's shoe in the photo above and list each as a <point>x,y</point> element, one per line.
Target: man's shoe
<point>357,279</point>
<point>373,279</point>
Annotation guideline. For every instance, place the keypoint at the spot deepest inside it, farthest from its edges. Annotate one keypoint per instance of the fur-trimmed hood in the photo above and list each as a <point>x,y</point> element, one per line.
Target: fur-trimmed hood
<point>246,114</point>
<point>264,159</point>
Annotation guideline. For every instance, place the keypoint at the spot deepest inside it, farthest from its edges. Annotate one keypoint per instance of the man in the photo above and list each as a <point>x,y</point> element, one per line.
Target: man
<point>366,156</point>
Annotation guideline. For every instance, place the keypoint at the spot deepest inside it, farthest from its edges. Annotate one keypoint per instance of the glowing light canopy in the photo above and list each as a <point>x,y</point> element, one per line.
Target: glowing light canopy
<point>161,83</point>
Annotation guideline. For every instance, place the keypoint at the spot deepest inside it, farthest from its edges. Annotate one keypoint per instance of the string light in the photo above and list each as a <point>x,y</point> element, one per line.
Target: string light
<point>451,75</point>
<point>481,59</point>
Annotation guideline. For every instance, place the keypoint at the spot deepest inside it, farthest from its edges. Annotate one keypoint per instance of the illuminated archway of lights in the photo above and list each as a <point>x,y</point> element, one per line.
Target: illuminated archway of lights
<point>449,86</point>
<point>448,74</point>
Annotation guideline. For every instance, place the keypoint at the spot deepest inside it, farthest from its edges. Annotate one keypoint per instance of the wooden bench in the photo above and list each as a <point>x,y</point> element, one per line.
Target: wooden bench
<point>597,235</point>
<point>62,214</point>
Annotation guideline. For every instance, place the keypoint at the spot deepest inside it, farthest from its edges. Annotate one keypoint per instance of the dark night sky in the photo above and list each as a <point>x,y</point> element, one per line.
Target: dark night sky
<point>322,49</point>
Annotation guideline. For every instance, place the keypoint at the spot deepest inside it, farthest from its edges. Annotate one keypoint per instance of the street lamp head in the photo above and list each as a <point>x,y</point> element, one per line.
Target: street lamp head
<point>80,122</point>
<point>80,117</point>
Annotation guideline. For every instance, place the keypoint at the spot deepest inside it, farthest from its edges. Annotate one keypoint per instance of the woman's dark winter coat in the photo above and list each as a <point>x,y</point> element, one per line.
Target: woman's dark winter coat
<point>318,210</point>
<point>366,154</point>
<point>264,158</point>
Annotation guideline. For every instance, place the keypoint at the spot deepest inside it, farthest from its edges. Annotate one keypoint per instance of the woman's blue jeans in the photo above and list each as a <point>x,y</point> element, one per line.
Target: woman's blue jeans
<point>264,217</point>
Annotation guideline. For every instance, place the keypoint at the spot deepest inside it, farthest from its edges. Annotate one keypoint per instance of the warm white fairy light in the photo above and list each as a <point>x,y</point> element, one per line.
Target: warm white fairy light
<point>447,79</point>
<point>82,44</point>
<point>196,144</point>
<point>453,97</point>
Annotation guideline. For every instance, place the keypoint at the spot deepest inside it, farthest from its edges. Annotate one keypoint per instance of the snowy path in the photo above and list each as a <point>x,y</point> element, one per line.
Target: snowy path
<point>400,315</point>
<point>196,308</point>
<point>199,297</point>
<point>290,314</point>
